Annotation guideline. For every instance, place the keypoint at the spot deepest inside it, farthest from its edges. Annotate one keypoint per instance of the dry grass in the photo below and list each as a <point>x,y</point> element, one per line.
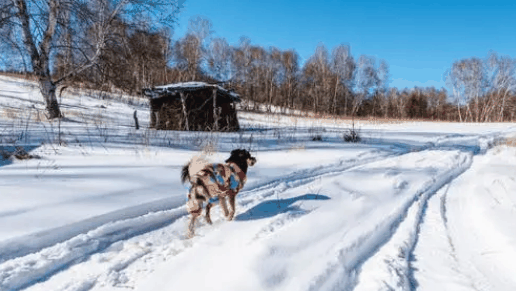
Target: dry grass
<point>24,115</point>
<point>39,116</point>
<point>296,148</point>
<point>72,113</point>
<point>10,113</point>
<point>209,148</point>
<point>510,142</point>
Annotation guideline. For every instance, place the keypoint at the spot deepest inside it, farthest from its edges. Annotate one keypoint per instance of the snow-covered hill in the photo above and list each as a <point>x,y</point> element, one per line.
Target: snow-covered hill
<point>415,206</point>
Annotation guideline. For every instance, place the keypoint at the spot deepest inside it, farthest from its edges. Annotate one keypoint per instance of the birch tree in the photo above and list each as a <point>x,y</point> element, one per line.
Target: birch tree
<point>366,79</point>
<point>343,66</point>
<point>190,51</point>
<point>290,61</point>
<point>467,77</point>
<point>220,59</point>
<point>38,28</point>
<point>382,87</point>
<point>453,81</point>
<point>317,75</point>
<point>503,81</point>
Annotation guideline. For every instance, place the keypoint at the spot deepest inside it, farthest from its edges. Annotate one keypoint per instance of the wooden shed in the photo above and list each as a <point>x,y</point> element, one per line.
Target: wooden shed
<point>193,106</point>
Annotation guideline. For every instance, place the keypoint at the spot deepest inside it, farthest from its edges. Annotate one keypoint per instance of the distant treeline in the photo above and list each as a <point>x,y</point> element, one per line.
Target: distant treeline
<point>329,82</point>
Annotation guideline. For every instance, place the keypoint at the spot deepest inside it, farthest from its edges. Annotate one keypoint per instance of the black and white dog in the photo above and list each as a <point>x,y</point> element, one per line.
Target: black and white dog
<point>210,182</point>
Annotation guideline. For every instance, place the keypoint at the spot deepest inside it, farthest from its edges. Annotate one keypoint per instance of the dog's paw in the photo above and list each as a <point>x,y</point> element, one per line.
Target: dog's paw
<point>189,235</point>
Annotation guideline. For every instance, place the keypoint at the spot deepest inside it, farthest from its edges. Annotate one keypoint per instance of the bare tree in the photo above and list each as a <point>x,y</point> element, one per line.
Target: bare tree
<point>366,79</point>
<point>188,53</point>
<point>317,75</point>
<point>219,59</point>
<point>44,28</point>
<point>290,61</point>
<point>241,65</point>
<point>256,74</point>
<point>343,66</point>
<point>191,50</point>
<point>380,101</point>
<point>503,81</point>
<point>272,72</point>
<point>467,77</point>
<point>147,58</point>
<point>453,81</point>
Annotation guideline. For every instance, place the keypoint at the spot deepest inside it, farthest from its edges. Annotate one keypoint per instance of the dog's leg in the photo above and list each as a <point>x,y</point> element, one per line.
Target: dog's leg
<point>194,207</point>
<point>232,205</point>
<point>222,201</point>
<point>191,225</point>
<point>208,207</point>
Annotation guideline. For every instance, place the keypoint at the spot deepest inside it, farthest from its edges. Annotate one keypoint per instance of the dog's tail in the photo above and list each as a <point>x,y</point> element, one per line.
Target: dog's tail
<point>185,174</point>
<point>194,166</point>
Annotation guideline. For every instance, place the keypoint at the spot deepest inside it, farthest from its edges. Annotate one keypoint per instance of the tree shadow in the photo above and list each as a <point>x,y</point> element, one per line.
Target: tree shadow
<point>8,153</point>
<point>271,208</point>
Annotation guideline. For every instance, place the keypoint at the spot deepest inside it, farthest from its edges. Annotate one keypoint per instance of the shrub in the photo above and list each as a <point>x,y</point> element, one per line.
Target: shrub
<point>352,136</point>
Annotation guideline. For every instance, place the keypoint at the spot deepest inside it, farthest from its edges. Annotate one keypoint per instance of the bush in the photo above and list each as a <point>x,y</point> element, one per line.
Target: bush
<point>352,136</point>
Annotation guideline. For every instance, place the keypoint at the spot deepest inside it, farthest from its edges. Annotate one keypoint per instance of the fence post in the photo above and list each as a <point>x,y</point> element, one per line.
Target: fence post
<point>136,125</point>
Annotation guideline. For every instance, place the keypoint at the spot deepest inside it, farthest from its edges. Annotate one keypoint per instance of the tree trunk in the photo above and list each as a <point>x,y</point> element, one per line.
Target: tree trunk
<point>290,95</point>
<point>502,107</point>
<point>48,90</point>
<point>136,124</point>
<point>40,59</point>
<point>185,115</point>
<point>215,109</point>
<point>334,103</point>
<point>345,104</point>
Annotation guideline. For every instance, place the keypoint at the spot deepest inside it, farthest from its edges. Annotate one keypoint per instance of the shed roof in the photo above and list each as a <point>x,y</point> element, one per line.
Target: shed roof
<point>173,89</point>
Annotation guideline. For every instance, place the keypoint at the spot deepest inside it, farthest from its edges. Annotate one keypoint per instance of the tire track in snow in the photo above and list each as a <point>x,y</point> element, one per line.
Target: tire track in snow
<point>398,254</point>
<point>387,249</point>
<point>478,222</point>
<point>434,253</point>
<point>22,272</point>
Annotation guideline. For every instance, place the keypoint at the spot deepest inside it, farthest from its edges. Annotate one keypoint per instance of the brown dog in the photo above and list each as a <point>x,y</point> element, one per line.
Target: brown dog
<point>210,182</point>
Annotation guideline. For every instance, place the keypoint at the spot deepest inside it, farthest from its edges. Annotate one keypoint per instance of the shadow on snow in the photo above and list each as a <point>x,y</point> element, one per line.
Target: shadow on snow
<point>6,151</point>
<point>271,208</point>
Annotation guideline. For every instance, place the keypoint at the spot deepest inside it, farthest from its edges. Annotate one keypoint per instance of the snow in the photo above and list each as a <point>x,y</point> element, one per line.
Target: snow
<point>190,85</point>
<point>415,206</point>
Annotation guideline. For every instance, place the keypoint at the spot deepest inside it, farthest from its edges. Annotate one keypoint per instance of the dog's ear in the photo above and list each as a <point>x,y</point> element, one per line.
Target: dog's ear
<point>238,153</point>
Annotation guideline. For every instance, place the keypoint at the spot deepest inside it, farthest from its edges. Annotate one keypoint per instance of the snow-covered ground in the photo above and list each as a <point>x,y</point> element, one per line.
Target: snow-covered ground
<point>414,206</point>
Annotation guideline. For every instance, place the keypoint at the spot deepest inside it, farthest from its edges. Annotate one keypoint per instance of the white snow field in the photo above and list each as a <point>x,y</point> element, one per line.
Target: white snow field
<point>414,206</point>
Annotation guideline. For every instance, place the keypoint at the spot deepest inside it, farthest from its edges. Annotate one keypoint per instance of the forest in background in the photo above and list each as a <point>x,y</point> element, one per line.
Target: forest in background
<point>330,82</point>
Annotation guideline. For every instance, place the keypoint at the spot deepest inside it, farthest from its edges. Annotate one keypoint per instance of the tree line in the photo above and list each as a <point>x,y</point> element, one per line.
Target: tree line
<point>117,51</point>
<point>337,83</point>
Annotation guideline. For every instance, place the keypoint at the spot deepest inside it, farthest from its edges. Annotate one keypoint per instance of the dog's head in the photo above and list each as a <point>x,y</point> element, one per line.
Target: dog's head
<point>243,156</point>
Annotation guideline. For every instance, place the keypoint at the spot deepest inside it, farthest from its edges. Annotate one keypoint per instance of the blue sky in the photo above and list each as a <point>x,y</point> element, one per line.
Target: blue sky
<point>419,40</point>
